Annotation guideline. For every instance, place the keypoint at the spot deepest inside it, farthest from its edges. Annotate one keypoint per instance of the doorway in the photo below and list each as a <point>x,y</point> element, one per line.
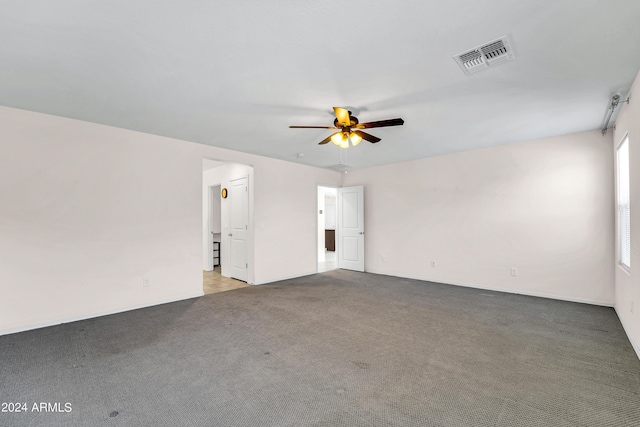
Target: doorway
<point>327,225</point>
<point>227,225</point>
<point>215,225</point>
<point>340,219</point>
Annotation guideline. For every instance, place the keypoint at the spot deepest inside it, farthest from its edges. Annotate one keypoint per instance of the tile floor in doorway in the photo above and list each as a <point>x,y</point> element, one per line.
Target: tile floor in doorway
<point>330,263</point>
<point>214,281</point>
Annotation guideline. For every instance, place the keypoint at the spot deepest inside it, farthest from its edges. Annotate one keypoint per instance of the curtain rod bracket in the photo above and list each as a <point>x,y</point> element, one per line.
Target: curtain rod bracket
<point>615,100</point>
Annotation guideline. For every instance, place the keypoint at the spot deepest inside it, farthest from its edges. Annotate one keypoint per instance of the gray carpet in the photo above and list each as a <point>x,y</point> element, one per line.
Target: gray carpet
<point>333,349</point>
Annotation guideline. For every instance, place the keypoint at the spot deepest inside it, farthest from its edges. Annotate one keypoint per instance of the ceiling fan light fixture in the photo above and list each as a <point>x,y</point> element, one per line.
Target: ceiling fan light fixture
<point>341,139</point>
<point>355,139</point>
<point>344,142</point>
<point>336,138</point>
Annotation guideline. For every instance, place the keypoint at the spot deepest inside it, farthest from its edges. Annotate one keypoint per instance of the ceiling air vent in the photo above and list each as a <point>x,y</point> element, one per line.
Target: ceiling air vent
<point>484,56</point>
<point>340,167</point>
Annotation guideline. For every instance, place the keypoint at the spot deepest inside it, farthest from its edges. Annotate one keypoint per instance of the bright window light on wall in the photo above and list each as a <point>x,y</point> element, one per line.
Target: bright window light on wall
<point>624,211</point>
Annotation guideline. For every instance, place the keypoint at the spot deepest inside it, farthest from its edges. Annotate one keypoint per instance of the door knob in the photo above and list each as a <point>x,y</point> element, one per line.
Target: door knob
<point>362,232</point>
<point>229,234</point>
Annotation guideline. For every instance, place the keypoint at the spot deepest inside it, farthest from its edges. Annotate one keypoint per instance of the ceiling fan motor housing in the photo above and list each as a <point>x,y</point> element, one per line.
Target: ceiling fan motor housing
<point>352,119</point>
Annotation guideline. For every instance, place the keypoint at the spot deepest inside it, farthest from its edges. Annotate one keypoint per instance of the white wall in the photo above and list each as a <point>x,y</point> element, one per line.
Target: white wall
<point>90,211</point>
<point>544,207</point>
<point>627,284</point>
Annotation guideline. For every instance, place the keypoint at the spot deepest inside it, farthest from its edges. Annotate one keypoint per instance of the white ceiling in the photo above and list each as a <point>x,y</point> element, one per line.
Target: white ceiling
<point>236,74</point>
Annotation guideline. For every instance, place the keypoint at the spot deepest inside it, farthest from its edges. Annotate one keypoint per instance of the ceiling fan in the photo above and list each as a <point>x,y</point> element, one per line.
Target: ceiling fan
<point>349,129</point>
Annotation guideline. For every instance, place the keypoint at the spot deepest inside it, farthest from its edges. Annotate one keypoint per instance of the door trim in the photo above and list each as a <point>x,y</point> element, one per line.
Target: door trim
<point>317,240</point>
<point>225,173</point>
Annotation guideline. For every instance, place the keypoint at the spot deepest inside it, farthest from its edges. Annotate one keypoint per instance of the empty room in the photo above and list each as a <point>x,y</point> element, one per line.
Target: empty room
<point>409,213</point>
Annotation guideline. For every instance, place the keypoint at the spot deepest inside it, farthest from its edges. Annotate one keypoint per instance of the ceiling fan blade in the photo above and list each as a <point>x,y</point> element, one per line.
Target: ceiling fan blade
<point>326,140</point>
<point>380,124</point>
<point>367,136</point>
<point>313,127</point>
<point>342,115</point>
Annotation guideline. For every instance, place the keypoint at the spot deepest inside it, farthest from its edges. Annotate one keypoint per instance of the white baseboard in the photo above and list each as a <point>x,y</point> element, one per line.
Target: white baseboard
<point>285,278</point>
<point>627,331</point>
<point>99,314</point>
<point>509,291</point>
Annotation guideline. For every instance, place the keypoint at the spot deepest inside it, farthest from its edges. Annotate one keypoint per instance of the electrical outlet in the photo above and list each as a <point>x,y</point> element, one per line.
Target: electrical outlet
<point>145,283</point>
<point>383,258</point>
<point>514,271</point>
<point>631,306</point>
<point>433,264</point>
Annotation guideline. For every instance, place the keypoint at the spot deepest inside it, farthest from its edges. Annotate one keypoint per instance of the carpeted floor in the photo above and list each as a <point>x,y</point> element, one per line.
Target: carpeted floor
<point>333,349</point>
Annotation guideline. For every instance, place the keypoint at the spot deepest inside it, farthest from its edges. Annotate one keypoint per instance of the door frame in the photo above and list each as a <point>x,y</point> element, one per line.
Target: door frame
<point>335,187</point>
<point>213,192</point>
<point>232,171</point>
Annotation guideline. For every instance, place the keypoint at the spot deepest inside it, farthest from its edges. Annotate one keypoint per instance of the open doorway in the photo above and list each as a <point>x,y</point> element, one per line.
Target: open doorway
<point>215,225</point>
<point>327,224</point>
<point>227,253</point>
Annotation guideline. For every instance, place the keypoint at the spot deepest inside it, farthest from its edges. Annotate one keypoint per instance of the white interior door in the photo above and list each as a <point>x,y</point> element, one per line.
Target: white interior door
<point>351,228</point>
<point>239,221</point>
